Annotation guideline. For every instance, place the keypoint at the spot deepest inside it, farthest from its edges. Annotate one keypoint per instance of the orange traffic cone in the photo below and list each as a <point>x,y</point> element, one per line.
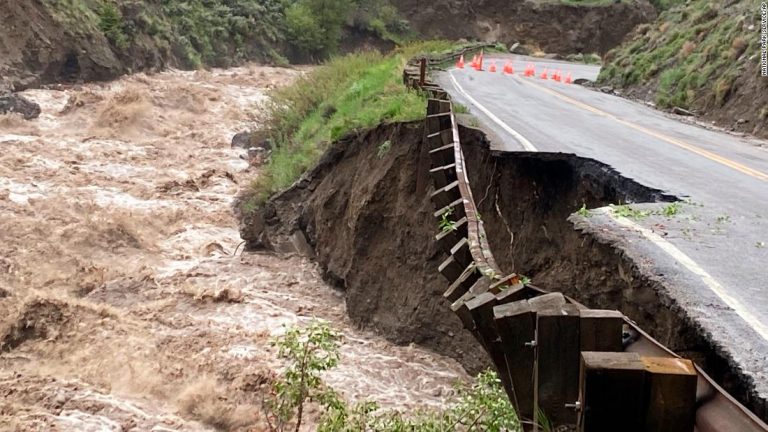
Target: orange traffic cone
<point>557,76</point>
<point>460,63</point>
<point>480,62</point>
<point>530,70</point>
<point>492,68</point>
<point>568,78</point>
<point>544,74</point>
<point>508,69</point>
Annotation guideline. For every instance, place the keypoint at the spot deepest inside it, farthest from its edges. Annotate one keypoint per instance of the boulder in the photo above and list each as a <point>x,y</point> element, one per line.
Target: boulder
<point>250,139</point>
<point>15,103</point>
<point>519,49</point>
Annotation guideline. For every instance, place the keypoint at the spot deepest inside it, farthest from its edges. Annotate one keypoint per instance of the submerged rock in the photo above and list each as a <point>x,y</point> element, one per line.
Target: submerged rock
<point>15,103</point>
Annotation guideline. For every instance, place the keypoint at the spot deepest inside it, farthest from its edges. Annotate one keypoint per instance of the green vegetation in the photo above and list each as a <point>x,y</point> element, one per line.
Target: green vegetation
<point>583,212</point>
<point>347,93</point>
<point>692,55</point>
<point>446,224</point>
<point>224,32</point>
<point>626,211</point>
<point>481,406</point>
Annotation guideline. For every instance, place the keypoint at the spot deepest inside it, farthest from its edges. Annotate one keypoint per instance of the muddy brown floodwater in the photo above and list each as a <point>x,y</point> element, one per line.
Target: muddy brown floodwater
<point>122,304</point>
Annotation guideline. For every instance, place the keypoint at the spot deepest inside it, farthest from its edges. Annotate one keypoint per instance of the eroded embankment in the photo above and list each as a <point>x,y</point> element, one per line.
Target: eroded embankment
<point>365,212</point>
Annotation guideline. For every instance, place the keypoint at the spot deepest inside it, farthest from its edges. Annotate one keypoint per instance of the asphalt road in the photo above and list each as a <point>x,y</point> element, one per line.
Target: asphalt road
<point>712,254</point>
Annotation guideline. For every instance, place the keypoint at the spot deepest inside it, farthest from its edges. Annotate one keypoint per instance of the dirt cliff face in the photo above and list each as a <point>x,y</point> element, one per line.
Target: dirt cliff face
<point>551,26</point>
<point>38,47</point>
<point>365,213</point>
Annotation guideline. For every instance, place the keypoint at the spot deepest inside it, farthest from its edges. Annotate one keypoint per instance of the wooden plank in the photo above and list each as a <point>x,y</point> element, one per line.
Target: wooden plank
<point>446,239</point>
<point>461,252</point>
<point>451,269</point>
<point>442,155</point>
<point>516,325</point>
<point>612,392</point>
<point>547,301</point>
<point>436,106</point>
<point>439,122</point>
<point>439,139</point>
<point>558,354</point>
<point>456,208</point>
<point>446,195</point>
<point>481,308</point>
<point>462,285</point>
<point>601,330</point>
<point>671,394</point>
<point>515,293</point>
<point>443,175</point>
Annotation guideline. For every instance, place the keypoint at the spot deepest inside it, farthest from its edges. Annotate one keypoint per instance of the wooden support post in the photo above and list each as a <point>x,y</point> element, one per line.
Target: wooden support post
<point>612,392</point>
<point>601,330</point>
<point>422,71</point>
<point>671,394</point>
<point>558,351</point>
<point>481,308</point>
<point>516,324</point>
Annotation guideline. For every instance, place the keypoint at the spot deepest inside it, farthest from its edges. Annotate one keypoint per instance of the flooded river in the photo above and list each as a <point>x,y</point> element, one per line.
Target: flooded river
<point>123,305</point>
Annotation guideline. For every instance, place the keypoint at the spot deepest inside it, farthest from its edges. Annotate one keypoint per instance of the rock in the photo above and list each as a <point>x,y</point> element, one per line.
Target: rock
<point>241,140</point>
<point>252,139</point>
<point>681,111</point>
<point>607,89</point>
<point>741,121</point>
<point>553,56</point>
<point>14,103</point>
<point>514,46</point>
<point>584,82</point>
<point>520,49</point>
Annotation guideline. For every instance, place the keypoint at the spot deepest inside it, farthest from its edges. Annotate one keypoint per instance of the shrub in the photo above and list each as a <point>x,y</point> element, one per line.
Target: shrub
<point>111,24</point>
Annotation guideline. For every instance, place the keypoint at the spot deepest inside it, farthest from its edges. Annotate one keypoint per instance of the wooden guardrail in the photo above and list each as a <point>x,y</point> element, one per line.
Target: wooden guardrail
<point>589,369</point>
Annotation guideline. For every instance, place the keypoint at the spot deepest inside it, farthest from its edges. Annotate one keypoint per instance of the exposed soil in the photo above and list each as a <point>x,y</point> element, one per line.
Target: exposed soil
<point>124,304</point>
<point>368,220</point>
<point>548,25</point>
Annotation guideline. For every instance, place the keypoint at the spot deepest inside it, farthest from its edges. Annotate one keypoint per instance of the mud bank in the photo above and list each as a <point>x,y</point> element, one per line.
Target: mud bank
<point>366,217</point>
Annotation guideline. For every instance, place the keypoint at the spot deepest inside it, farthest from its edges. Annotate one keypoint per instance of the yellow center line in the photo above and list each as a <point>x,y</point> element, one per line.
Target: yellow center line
<point>690,147</point>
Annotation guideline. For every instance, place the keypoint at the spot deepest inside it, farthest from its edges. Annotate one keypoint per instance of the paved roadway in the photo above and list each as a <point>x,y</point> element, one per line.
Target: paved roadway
<point>713,255</point>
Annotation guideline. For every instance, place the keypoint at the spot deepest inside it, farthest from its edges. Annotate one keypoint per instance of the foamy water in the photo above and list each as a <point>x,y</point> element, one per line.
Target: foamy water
<point>116,205</point>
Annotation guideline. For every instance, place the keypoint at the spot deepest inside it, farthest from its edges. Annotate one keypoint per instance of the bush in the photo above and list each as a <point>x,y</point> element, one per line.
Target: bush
<point>111,24</point>
<point>481,406</point>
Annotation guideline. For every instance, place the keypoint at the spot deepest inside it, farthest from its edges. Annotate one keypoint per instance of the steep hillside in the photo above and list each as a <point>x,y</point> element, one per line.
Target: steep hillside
<point>703,56</point>
<point>568,26</point>
<point>43,41</point>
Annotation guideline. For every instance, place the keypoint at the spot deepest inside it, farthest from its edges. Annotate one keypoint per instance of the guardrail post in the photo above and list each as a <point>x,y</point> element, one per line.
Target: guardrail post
<point>423,71</point>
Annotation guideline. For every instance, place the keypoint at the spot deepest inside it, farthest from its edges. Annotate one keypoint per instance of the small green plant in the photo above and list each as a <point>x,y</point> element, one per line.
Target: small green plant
<point>309,351</point>
<point>459,108</point>
<point>723,219</point>
<point>525,280</point>
<point>446,224</point>
<point>671,209</point>
<point>474,122</point>
<point>583,212</point>
<point>628,212</point>
<point>760,244</point>
<point>383,148</point>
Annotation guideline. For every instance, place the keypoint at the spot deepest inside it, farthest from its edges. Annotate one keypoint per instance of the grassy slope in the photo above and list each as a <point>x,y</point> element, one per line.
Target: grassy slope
<point>347,93</point>
<point>695,56</point>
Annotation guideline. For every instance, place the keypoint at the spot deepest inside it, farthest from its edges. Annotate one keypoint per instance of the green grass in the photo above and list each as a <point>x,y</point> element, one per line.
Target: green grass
<point>352,92</point>
<point>691,56</point>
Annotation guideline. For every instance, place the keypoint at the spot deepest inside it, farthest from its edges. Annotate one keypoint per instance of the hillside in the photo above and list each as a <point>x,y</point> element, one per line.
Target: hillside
<point>567,26</point>
<point>702,56</point>
<point>44,41</point>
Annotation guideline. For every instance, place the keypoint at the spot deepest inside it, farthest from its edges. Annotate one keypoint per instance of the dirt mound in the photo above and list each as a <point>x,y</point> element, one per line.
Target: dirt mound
<point>551,26</point>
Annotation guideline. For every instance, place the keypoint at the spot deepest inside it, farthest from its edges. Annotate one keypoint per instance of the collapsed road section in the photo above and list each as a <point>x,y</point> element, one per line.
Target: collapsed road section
<point>368,218</point>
